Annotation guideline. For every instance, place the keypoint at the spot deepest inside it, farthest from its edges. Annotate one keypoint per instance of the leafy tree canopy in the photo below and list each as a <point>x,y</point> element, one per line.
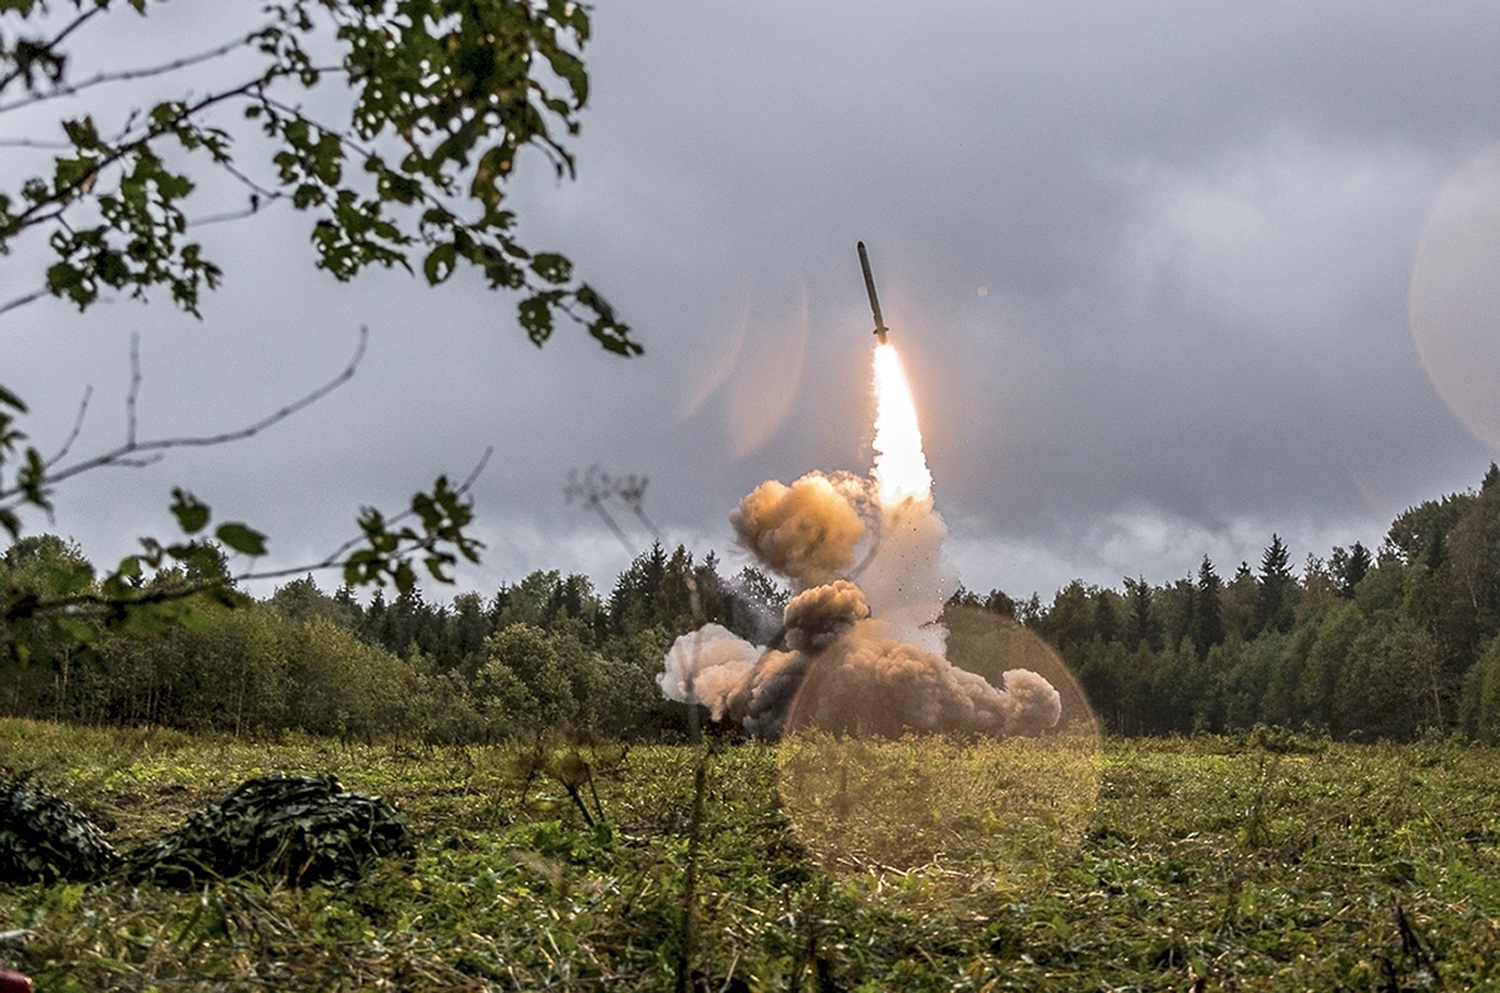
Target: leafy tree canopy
<point>394,124</point>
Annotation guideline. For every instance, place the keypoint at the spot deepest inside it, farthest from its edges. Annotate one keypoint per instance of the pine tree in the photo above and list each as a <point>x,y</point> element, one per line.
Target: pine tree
<point>1208,618</point>
<point>1141,627</point>
<point>1278,588</point>
<point>998,603</point>
<point>1349,567</point>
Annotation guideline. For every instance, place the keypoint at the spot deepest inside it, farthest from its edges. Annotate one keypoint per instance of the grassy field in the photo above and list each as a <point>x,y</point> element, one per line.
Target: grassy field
<point>1267,862</point>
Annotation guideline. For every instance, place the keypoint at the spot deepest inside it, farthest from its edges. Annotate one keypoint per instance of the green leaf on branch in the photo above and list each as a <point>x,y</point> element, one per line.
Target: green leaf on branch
<point>439,263</point>
<point>67,280</point>
<point>552,267</point>
<point>242,539</point>
<point>535,314</point>
<point>11,400</point>
<point>191,513</point>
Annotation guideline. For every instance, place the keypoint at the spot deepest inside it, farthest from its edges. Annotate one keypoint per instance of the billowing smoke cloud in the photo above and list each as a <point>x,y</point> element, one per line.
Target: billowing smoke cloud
<point>807,531</point>
<point>707,665</point>
<point>818,617</point>
<point>871,684</point>
<point>863,653</point>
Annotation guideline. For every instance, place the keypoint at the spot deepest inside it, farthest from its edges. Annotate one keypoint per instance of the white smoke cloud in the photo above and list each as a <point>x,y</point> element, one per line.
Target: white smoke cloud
<point>908,579</point>
<point>872,684</point>
<point>707,665</point>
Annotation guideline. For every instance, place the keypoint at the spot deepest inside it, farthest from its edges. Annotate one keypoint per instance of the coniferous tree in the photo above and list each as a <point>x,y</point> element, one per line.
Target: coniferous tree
<point>678,607</point>
<point>963,597</point>
<point>1030,612</point>
<point>998,603</point>
<point>713,592</point>
<point>632,604</point>
<point>1179,610</point>
<point>1208,620</point>
<point>1106,619</point>
<point>1069,622</point>
<point>1141,627</point>
<point>468,626</point>
<point>1348,567</point>
<point>1237,603</point>
<point>1278,589</point>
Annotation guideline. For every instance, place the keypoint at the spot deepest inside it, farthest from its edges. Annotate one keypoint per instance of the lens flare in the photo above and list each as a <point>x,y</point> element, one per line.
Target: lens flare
<point>900,466</point>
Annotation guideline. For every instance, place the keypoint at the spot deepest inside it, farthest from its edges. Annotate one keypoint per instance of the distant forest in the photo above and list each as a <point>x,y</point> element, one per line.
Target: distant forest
<point>1392,644</point>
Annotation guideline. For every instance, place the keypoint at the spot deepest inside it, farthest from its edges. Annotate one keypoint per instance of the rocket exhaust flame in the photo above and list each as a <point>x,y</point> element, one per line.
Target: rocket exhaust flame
<point>900,465</point>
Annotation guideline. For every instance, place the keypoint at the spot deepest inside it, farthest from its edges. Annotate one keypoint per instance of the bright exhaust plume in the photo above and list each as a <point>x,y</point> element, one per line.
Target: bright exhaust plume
<point>900,467</point>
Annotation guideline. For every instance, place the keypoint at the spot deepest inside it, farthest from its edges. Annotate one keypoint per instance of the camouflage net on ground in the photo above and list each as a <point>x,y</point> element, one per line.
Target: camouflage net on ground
<point>297,830</point>
<point>44,838</point>
<point>300,830</point>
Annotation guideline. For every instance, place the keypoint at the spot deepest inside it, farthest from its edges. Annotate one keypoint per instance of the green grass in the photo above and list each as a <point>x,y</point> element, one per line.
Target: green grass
<point>1238,864</point>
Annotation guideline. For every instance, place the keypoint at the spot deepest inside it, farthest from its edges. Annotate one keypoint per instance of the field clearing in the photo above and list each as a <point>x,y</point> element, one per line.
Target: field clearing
<point>1261,862</point>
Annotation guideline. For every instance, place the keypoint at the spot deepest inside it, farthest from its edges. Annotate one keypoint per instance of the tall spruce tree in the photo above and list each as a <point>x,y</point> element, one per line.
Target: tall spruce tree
<point>1141,627</point>
<point>1208,618</point>
<point>1278,589</point>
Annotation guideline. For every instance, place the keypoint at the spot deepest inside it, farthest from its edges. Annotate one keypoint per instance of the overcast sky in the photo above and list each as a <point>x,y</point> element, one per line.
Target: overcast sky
<point>1150,267</point>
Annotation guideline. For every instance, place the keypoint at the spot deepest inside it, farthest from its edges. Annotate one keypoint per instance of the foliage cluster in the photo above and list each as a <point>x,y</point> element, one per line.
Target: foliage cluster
<point>298,830</point>
<point>395,124</point>
<point>43,837</point>
<point>1360,645</point>
<point>1216,863</point>
<point>545,652</point>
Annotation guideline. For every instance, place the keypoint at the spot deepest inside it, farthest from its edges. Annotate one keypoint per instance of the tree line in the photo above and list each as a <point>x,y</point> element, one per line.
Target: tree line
<point>1360,644</point>
<point>547,652</point>
<point>1388,644</point>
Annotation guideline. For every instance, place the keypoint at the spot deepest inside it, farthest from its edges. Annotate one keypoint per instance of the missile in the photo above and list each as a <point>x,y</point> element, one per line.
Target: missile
<point>864,263</point>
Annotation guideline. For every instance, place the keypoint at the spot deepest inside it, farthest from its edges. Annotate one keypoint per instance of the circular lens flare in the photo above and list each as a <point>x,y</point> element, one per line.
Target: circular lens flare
<point>1455,296</point>
<point>934,822</point>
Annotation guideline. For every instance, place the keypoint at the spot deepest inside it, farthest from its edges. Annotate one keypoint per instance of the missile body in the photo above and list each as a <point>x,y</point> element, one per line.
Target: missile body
<point>864,263</point>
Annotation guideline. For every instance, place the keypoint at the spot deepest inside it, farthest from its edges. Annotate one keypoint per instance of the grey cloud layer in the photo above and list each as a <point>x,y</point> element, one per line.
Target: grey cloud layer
<point>1193,224</point>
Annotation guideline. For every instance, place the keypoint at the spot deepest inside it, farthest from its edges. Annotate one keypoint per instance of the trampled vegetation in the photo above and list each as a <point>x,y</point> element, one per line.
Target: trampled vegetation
<point>1264,861</point>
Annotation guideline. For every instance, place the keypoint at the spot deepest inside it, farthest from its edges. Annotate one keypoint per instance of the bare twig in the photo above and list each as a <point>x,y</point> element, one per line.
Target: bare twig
<point>134,392</point>
<point>22,301</point>
<point>258,195</point>
<point>83,409</point>
<point>52,146</point>
<point>597,488</point>
<point>126,454</point>
<point>125,75</point>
